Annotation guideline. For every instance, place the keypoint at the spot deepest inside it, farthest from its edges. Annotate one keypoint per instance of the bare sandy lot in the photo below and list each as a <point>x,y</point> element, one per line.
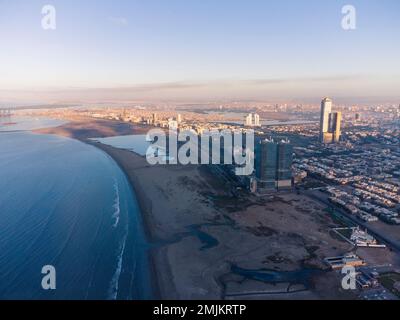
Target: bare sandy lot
<point>201,232</point>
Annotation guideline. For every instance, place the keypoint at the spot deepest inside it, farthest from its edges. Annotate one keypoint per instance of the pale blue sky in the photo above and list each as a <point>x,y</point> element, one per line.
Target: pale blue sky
<point>190,48</point>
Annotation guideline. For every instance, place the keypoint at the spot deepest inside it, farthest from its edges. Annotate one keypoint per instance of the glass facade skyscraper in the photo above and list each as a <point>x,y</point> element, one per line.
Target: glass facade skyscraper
<point>330,123</point>
<point>274,164</point>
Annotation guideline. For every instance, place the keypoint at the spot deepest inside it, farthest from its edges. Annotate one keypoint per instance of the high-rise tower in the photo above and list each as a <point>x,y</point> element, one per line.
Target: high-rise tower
<point>326,109</point>
<point>330,123</point>
<point>274,164</point>
<point>252,120</point>
<point>335,126</point>
<point>248,122</point>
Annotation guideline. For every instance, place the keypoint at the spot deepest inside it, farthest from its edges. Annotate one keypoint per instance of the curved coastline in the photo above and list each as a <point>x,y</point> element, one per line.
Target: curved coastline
<point>86,245</point>
<point>83,130</point>
<point>145,210</point>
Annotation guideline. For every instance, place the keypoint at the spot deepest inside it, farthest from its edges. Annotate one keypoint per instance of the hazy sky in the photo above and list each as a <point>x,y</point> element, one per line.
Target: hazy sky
<point>198,49</point>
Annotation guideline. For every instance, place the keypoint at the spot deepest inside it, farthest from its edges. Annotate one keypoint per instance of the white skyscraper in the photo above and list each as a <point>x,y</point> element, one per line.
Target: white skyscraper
<point>173,124</point>
<point>326,109</point>
<point>252,120</point>
<point>249,120</point>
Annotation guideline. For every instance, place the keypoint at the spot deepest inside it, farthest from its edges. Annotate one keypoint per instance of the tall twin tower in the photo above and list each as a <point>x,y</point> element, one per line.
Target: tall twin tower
<point>330,123</point>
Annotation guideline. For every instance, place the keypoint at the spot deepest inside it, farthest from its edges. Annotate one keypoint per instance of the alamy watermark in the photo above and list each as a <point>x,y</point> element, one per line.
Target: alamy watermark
<point>49,17</point>
<point>349,281</point>
<point>49,280</point>
<point>187,147</point>
<point>349,20</point>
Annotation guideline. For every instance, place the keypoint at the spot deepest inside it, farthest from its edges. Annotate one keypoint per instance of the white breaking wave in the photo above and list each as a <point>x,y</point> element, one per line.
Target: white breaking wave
<point>116,206</point>
<point>113,291</point>
<point>114,284</point>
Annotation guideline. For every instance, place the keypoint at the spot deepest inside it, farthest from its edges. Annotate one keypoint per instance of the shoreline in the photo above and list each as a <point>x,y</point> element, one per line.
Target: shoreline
<point>141,201</point>
<point>83,131</point>
<point>144,207</point>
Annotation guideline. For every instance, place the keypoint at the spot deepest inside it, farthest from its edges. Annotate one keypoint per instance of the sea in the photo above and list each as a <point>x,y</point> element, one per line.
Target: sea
<point>67,204</point>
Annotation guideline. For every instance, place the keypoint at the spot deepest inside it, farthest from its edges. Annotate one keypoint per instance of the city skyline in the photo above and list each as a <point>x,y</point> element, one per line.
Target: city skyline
<point>198,51</point>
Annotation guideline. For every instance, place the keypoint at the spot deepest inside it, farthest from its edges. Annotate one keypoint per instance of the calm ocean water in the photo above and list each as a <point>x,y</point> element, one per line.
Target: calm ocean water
<point>22,123</point>
<point>67,204</point>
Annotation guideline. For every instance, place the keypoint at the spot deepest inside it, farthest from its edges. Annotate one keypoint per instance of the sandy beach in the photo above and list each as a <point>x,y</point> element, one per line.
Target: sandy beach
<point>205,239</point>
